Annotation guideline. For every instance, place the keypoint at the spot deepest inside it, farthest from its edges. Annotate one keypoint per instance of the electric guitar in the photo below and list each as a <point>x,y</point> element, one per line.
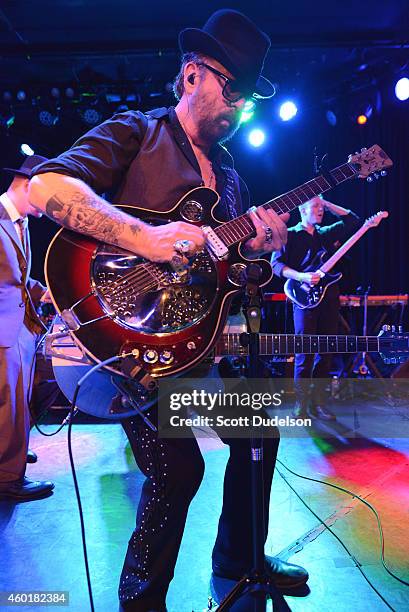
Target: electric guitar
<point>110,395</point>
<point>308,296</point>
<point>114,302</point>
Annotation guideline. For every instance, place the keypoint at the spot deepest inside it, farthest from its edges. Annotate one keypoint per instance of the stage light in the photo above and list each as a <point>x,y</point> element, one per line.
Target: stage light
<point>113,98</point>
<point>402,89</point>
<point>257,137</point>
<point>55,92</point>
<point>6,121</point>
<point>133,97</point>
<point>26,149</point>
<point>247,112</point>
<point>363,113</point>
<point>331,117</point>
<point>288,110</point>
<point>47,118</point>
<point>69,92</point>
<point>21,95</point>
<point>91,116</point>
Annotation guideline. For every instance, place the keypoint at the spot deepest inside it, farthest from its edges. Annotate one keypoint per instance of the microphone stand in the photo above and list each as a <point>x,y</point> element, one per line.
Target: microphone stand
<point>258,583</point>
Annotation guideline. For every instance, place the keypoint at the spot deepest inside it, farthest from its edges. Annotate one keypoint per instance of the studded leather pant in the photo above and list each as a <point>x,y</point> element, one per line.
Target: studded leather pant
<point>174,470</point>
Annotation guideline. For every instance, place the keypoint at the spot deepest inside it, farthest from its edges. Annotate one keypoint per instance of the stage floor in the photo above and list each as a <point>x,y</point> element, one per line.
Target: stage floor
<point>40,542</point>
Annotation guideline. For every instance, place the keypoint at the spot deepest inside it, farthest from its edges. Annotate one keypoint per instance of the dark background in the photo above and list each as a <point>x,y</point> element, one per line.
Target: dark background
<point>325,56</point>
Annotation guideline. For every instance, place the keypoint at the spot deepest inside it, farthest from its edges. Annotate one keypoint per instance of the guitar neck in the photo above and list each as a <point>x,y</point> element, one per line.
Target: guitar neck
<point>242,228</point>
<point>330,263</point>
<point>289,344</point>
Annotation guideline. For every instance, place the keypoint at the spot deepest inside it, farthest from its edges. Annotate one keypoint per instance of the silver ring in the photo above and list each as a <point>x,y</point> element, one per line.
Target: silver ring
<point>182,246</point>
<point>269,234</point>
<point>177,260</point>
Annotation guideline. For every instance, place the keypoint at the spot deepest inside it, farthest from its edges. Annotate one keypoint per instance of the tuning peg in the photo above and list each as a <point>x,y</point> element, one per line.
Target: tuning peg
<point>363,149</point>
<point>393,329</point>
<point>386,328</point>
<point>400,329</point>
<point>384,172</point>
<point>369,179</point>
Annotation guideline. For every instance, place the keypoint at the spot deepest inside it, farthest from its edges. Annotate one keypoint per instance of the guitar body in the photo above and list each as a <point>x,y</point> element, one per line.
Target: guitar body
<point>305,296</point>
<point>114,301</point>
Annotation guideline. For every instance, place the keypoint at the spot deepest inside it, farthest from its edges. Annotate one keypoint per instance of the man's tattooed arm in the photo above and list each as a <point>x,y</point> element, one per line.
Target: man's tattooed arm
<point>73,204</point>
<point>88,214</point>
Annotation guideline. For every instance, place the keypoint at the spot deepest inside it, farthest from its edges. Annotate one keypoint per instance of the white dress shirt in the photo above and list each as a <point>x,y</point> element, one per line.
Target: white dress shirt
<point>15,217</point>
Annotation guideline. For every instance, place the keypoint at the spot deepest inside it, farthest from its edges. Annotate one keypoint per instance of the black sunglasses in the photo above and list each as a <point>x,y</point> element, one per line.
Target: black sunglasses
<point>231,89</point>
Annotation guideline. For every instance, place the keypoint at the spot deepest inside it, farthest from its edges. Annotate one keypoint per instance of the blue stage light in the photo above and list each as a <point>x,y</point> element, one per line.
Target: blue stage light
<point>26,149</point>
<point>48,118</point>
<point>256,137</point>
<point>331,117</point>
<point>402,89</point>
<point>288,110</point>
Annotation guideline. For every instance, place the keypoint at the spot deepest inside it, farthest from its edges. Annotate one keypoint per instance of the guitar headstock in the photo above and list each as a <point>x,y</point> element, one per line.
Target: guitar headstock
<point>370,161</point>
<point>375,220</point>
<point>394,344</point>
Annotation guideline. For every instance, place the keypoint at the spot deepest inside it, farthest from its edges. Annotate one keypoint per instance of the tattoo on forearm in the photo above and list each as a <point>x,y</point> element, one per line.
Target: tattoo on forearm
<point>89,215</point>
<point>135,229</point>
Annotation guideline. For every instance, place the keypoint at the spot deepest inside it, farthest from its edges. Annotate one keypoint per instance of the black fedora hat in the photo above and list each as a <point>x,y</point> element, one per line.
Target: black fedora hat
<point>27,166</point>
<point>237,43</point>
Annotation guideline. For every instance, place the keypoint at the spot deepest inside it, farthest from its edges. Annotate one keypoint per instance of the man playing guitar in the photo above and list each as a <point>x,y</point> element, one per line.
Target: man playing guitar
<point>305,241</point>
<point>151,160</point>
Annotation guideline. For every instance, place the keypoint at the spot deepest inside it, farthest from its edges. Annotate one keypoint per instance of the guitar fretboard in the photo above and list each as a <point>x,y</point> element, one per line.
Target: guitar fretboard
<point>242,227</point>
<point>289,344</point>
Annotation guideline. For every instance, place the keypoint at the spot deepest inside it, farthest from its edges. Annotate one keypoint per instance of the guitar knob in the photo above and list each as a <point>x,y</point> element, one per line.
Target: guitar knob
<point>369,179</point>
<point>166,357</point>
<point>384,172</point>
<point>150,356</point>
<point>191,345</point>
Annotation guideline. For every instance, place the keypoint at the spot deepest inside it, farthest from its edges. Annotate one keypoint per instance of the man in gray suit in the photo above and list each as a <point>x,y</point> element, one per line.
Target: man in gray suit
<point>19,329</point>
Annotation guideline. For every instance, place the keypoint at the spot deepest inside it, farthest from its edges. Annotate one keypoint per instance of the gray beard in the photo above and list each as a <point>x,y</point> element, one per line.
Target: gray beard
<point>213,133</point>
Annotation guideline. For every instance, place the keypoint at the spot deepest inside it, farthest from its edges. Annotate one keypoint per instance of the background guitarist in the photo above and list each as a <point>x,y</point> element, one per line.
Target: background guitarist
<point>305,240</point>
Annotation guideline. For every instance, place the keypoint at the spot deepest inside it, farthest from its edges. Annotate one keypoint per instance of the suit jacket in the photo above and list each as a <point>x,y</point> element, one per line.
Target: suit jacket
<point>18,292</point>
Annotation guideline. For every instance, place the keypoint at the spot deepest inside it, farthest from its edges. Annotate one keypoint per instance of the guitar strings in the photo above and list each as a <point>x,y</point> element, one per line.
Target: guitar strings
<point>140,273</point>
<point>138,276</point>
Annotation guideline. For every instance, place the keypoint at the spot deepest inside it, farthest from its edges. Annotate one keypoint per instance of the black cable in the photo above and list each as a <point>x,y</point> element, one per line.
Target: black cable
<point>361,499</point>
<point>78,496</point>
<point>354,495</point>
<point>355,560</point>
<point>74,474</point>
<point>36,420</point>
